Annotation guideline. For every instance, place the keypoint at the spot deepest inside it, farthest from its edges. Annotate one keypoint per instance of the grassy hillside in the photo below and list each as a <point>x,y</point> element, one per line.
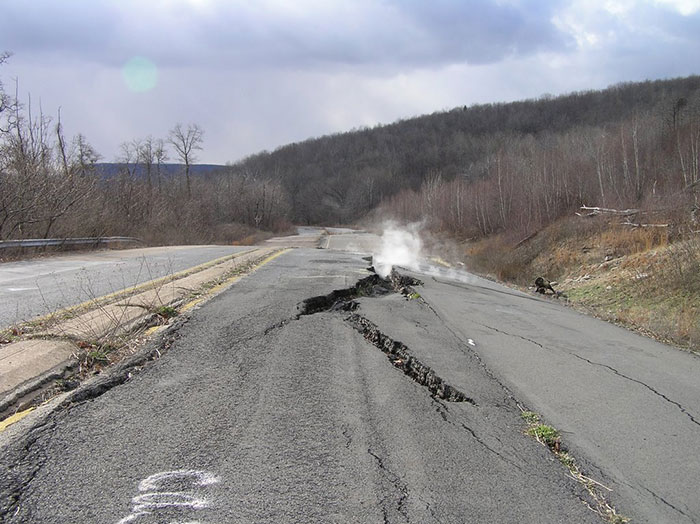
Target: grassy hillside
<point>636,277</point>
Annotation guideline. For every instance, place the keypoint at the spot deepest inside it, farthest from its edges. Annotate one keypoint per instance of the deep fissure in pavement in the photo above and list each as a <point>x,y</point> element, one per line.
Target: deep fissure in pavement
<point>397,352</point>
<point>371,286</point>
<point>399,355</point>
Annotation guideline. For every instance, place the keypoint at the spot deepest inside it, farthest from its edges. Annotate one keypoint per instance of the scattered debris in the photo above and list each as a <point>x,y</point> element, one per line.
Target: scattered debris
<point>542,285</point>
<point>593,211</point>
<point>632,224</point>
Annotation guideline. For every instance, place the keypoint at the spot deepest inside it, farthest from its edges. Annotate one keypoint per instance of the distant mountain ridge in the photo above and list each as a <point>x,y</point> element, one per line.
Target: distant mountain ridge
<point>109,170</point>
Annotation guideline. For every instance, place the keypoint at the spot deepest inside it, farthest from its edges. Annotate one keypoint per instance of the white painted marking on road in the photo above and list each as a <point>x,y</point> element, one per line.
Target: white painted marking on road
<point>199,478</point>
<point>167,499</point>
<point>18,289</point>
<point>159,499</point>
<point>133,517</point>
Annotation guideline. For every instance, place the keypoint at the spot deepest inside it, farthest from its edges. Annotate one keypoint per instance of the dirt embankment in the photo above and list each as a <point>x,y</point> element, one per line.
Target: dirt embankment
<point>647,279</point>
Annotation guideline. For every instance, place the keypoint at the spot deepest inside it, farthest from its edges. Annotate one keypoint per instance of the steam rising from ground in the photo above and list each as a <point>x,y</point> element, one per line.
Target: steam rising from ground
<point>403,246</point>
<point>399,247</point>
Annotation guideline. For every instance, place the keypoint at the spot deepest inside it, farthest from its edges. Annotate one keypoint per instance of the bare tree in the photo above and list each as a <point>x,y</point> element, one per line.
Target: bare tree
<point>43,178</point>
<point>186,142</point>
<point>161,156</point>
<point>145,156</point>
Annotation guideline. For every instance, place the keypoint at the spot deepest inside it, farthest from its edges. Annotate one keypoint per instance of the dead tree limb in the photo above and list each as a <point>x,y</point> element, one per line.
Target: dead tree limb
<point>621,212</point>
<point>692,186</point>
<point>529,237</point>
<point>632,224</point>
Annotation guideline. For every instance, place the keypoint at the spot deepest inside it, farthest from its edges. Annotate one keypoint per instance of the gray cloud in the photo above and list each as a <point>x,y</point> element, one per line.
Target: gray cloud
<point>397,33</point>
<point>259,74</point>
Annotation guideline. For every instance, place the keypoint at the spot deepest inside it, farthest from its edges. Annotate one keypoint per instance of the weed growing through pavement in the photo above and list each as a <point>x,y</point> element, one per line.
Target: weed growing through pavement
<point>101,343</point>
<point>547,435</point>
<point>550,437</point>
<point>10,334</point>
<point>166,311</point>
<point>97,356</point>
<point>530,417</point>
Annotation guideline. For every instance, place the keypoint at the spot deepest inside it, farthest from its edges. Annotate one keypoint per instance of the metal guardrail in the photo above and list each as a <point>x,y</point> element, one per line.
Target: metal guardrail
<point>45,242</point>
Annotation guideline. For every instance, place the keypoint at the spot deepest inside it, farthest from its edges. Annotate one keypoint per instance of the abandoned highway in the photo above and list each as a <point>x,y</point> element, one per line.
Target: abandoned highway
<point>279,401</point>
<point>36,287</point>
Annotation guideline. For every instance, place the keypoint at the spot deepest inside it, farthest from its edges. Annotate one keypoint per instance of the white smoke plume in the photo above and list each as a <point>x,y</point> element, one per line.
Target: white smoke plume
<point>400,246</point>
<point>403,246</point>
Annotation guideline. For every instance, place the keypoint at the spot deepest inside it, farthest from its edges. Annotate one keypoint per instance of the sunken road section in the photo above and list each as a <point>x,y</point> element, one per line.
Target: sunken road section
<point>397,352</point>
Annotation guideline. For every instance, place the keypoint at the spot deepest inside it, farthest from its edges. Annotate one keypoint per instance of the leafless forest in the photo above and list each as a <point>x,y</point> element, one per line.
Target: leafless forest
<point>504,167</point>
<point>54,186</point>
<point>470,172</point>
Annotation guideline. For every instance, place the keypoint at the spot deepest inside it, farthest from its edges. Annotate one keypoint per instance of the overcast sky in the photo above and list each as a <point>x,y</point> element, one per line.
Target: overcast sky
<point>259,74</point>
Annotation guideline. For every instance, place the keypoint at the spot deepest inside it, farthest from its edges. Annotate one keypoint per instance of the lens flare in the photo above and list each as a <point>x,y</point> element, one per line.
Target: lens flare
<point>140,74</point>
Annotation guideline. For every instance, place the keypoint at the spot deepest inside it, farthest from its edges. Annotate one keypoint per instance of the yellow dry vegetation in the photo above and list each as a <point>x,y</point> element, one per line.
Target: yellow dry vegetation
<point>637,277</point>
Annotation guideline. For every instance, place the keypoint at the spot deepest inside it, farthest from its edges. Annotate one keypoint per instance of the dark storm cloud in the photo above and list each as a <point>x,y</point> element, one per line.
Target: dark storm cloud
<point>482,31</point>
<point>44,27</point>
<point>396,33</point>
<point>257,74</point>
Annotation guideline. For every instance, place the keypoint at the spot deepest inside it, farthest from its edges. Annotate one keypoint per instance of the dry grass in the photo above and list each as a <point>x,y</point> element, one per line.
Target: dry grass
<point>636,277</point>
<point>549,253</point>
<point>622,240</point>
<point>550,437</point>
<point>493,256</point>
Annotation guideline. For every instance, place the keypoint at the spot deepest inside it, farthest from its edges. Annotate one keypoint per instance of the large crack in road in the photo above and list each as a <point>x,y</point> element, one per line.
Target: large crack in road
<point>400,356</point>
<point>300,411</point>
<point>397,352</point>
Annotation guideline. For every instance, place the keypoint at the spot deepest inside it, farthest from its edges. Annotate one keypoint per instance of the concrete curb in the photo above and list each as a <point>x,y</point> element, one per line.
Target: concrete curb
<point>90,388</point>
<point>32,385</point>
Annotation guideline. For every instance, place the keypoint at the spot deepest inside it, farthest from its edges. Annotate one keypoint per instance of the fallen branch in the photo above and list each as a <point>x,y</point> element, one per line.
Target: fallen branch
<point>632,224</point>
<point>598,210</point>
<point>529,237</point>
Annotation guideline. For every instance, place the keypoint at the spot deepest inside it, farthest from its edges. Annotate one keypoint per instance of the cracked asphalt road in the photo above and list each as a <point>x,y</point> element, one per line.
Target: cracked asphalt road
<point>255,415</point>
<point>628,405</point>
<point>29,288</point>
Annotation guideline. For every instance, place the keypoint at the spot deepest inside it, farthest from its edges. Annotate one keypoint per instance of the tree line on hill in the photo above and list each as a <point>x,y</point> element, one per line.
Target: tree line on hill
<point>471,171</point>
<point>496,167</point>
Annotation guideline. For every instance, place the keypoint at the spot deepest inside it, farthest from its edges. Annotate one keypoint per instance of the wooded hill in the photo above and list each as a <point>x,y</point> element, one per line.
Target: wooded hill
<point>469,172</point>
<point>498,165</point>
<point>167,171</point>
